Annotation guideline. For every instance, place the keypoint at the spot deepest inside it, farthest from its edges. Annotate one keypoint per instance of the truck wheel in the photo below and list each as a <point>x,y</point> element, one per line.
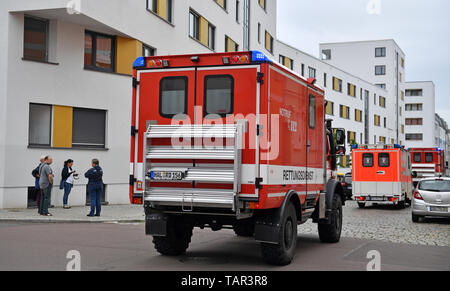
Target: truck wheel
<point>178,238</point>
<point>361,205</point>
<point>331,232</point>
<point>244,228</point>
<point>282,254</point>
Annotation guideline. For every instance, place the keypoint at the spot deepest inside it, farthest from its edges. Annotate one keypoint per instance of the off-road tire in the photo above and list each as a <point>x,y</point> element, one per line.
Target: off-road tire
<point>282,254</point>
<point>330,232</point>
<point>179,234</point>
<point>361,205</point>
<point>244,228</point>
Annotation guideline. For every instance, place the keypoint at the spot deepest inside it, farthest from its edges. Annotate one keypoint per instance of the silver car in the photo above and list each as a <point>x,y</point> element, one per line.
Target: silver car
<point>431,198</point>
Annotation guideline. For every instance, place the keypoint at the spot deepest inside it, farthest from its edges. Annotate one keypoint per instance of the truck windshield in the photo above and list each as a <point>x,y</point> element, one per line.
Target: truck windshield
<point>435,186</point>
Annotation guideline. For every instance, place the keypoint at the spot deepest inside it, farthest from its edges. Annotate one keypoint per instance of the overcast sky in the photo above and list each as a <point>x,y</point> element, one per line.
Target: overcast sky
<point>420,27</point>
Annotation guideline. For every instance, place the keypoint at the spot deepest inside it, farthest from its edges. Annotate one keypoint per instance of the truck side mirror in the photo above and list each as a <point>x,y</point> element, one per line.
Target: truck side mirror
<point>340,137</point>
<point>414,174</point>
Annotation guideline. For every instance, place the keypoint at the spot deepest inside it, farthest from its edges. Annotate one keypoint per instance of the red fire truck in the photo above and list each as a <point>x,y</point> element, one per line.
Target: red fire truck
<point>232,140</point>
<point>382,175</point>
<point>427,162</point>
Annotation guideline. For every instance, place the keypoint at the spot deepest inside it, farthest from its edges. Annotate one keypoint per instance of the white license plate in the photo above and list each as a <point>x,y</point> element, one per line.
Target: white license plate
<point>438,209</point>
<point>166,176</point>
<point>376,199</point>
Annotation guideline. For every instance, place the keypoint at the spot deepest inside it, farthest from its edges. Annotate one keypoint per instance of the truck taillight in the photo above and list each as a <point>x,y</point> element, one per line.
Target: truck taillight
<point>236,60</point>
<point>158,64</point>
<point>417,195</point>
<point>360,198</point>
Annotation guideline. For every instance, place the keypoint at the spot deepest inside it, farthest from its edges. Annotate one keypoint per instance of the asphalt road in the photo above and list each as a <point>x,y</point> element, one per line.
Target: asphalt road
<point>125,247</point>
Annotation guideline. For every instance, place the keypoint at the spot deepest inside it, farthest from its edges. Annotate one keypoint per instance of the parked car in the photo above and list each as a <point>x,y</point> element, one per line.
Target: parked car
<point>431,198</point>
<point>348,186</point>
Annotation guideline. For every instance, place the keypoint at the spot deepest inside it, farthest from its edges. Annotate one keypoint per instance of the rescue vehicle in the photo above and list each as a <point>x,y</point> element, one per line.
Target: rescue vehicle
<point>232,140</point>
<point>427,163</point>
<point>382,175</point>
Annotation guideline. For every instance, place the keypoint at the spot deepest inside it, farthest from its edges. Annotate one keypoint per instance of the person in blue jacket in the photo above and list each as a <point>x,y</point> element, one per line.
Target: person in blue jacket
<point>95,187</point>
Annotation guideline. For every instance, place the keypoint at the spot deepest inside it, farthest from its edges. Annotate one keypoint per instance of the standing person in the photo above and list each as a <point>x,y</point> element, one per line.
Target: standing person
<point>46,184</point>
<point>67,181</point>
<point>95,187</point>
<point>37,190</point>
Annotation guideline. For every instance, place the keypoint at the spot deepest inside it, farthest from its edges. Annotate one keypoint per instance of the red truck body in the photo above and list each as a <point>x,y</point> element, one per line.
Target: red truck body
<point>427,162</point>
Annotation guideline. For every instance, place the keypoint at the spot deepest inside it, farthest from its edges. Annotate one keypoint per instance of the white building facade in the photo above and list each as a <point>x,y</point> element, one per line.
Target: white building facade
<point>65,78</point>
<point>380,62</point>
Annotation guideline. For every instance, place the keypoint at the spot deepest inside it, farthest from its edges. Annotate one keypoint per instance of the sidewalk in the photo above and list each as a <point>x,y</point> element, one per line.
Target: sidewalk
<point>110,214</point>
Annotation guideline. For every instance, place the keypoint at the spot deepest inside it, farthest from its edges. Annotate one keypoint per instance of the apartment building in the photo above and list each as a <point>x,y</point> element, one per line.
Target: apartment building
<point>380,62</point>
<point>440,132</point>
<point>353,103</point>
<point>65,78</point>
<point>420,108</point>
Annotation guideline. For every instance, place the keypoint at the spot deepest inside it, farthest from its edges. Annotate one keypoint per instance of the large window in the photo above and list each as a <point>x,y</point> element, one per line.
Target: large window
<point>202,30</point>
<point>351,90</point>
<point>344,112</point>
<point>173,96</point>
<point>40,125</point>
<point>219,95</point>
<point>162,8</point>
<point>88,128</point>
<point>230,45</point>
<point>380,70</point>
<point>414,136</point>
<point>414,107</point>
<point>35,39</point>
<point>358,115</point>
<point>99,51</point>
<point>414,92</point>
<point>380,52</point>
<point>337,84</point>
<point>414,121</point>
<point>269,42</point>
<point>311,72</point>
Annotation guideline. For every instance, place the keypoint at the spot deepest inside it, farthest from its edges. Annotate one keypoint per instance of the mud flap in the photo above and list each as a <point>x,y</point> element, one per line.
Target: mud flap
<point>156,224</point>
<point>267,227</point>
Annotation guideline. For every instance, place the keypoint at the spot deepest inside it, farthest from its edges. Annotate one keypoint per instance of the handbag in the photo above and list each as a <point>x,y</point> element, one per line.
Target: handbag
<point>61,184</point>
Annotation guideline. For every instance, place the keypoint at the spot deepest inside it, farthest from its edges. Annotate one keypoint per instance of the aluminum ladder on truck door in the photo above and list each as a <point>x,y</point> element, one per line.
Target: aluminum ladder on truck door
<point>222,171</point>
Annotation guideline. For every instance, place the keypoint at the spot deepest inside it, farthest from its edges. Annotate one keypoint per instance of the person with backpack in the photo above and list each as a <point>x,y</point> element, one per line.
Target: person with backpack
<point>67,181</point>
<point>95,187</point>
<point>35,174</point>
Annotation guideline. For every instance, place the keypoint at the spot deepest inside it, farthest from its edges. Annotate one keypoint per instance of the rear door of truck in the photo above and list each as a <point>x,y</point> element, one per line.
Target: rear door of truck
<point>197,96</point>
<point>388,172</point>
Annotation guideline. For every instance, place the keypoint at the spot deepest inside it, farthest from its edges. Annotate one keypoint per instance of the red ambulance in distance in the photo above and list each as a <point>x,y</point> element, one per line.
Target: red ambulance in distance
<point>427,163</point>
<point>232,140</point>
<point>382,175</point>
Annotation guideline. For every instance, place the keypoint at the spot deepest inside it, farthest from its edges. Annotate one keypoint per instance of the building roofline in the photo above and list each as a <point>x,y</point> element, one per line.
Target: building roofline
<point>334,67</point>
<point>363,41</point>
<point>413,82</point>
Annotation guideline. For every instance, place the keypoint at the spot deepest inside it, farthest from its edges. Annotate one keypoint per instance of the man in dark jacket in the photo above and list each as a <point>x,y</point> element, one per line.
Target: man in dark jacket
<point>37,190</point>
<point>95,187</point>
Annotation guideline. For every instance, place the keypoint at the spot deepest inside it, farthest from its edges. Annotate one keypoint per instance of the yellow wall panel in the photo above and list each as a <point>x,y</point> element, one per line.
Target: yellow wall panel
<point>204,25</point>
<point>162,8</point>
<point>127,51</point>
<point>62,126</point>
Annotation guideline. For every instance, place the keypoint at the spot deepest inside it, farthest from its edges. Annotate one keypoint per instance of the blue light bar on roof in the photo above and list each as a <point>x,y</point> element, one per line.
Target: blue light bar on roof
<point>397,146</point>
<point>139,62</point>
<point>259,57</point>
<point>355,146</point>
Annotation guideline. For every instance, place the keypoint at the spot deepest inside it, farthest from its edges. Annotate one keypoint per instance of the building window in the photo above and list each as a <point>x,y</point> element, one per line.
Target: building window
<point>414,92</point>
<point>303,70</point>
<point>326,54</point>
<point>88,128</point>
<point>287,62</point>
<point>329,108</point>
<point>219,95</point>
<point>162,8</point>
<point>147,51</point>
<point>222,3</point>
<point>382,101</point>
<point>173,96</point>
<point>325,80</point>
<point>259,32</point>
<point>237,10</point>
<point>351,137</point>
<point>380,70</point>
<point>414,107</point>
<point>40,125</point>
<point>269,42</point>
<point>99,51</point>
<point>414,121</point>
<point>201,30</point>
<point>194,25</point>
<point>358,115</point>
<point>414,137</point>
<point>380,52</point>
<point>230,45</point>
<point>311,72</point>
<point>337,84</point>
<point>344,112</point>
<point>377,120</point>
<point>35,47</point>
<point>385,122</point>
<point>212,37</point>
<point>382,86</point>
<point>262,3</point>
<point>402,62</point>
<point>351,90</point>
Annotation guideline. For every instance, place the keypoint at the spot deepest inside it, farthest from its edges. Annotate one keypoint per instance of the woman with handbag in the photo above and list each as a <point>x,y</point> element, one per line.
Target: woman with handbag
<point>67,181</point>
